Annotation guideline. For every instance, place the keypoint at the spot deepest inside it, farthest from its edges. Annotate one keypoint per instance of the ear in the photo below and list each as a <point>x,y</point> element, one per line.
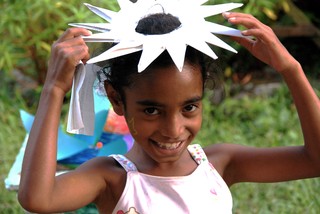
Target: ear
<point>115,99</point>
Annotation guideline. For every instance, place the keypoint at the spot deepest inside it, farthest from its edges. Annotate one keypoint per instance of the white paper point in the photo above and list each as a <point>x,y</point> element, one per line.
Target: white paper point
<point>177,52</point>
<point>204,48</point>
<point>125,3</point>
<point>223,30</point>
<point>212,39</point>
<point>103,13</point>
<point>101,27</point>
<point>194,30</point>
<point>211,10</point>
<point>149,54</point>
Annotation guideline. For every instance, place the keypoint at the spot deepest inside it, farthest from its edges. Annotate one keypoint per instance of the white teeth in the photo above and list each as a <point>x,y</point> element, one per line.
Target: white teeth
<point>168,146</point>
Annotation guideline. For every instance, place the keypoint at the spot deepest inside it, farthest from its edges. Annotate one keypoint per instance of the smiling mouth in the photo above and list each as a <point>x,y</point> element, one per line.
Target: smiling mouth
<point>168,146</point>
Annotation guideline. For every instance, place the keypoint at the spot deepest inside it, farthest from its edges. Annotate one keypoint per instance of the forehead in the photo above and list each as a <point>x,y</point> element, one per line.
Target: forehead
<point>167,83</point>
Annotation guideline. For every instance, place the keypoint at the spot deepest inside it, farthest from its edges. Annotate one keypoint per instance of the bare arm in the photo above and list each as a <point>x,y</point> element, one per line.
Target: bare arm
<point>276,164</point>
<point>40,190</point>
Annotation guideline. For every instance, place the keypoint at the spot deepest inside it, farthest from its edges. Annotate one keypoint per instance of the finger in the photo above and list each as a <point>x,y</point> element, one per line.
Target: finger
<point>245,42</point>
<point>228,15</point>
<point>74,32</point>
<point>71,42</point>
<point>59,46</point>
<point>63,65</point>
<point>254,27</point>
<point>76,53</point>
<point>257,33</point>
<point>243,19</point>
<point>70,55</point>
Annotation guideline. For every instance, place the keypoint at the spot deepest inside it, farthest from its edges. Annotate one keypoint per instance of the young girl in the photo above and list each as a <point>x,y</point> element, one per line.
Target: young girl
<point>162,172</point>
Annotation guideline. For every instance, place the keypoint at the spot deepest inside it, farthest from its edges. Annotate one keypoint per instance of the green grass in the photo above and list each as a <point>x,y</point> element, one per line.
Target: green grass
<point>11,136</point>
<point>257,121</point>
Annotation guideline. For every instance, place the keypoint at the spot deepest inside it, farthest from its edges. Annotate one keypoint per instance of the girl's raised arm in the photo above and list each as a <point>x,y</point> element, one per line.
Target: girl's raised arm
<point>284,163</point>
<point>40,190</point>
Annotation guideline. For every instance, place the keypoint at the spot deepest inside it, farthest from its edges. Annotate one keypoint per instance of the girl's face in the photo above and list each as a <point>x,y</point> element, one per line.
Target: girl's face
<point>164,111</point>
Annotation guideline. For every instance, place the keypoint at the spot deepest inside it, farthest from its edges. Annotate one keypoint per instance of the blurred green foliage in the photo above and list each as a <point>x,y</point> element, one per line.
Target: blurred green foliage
<point>250,120</point>
<point>275,13</point>
<point>264,10</point>
<point>28,28</point>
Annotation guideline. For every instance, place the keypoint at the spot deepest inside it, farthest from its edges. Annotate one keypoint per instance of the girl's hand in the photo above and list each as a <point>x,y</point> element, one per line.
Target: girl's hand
<point>66,53</point>
<point>265,46</point>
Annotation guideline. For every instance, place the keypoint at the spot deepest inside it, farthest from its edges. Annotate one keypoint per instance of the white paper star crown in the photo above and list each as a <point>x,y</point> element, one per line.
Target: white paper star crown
<point>194,31</point>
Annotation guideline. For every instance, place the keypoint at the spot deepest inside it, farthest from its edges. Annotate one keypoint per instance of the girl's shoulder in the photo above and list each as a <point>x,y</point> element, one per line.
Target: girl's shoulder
<point>105,170</point>
<point>103,166</point>
<point>219,155</point>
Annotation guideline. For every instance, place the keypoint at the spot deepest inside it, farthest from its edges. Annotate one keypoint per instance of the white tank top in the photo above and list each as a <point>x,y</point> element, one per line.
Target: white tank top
<point>203,191</point>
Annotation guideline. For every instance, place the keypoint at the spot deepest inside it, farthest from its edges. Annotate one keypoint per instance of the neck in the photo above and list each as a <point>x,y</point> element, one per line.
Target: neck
<point>183,166</point>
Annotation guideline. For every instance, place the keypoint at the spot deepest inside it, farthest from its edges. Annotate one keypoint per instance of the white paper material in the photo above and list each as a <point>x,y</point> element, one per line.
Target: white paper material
<point>212,39</point>
<point>191,13</point>
<point>194,31</point>
<point>81,110</point>
<point>123,48</point>
<point>75,123</point>
<point>177,51</point>
<point>103,13</point>
<point>150,51</point>
<point>101,27</point>
<point>223,30</point>
<point>124,3</point>
<point>211,10</point>
<point>100,37</point>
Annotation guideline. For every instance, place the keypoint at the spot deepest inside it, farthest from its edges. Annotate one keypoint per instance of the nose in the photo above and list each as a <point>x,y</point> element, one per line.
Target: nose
<point>172,126</point>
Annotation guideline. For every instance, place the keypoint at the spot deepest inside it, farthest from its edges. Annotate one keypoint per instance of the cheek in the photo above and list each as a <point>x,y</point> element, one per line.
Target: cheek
<point>132,126</point>
<point>139,128</point>
<point>197,124</point>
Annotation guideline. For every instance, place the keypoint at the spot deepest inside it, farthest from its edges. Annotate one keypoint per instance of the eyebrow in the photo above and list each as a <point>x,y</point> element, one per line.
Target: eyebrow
<point>154,103</point>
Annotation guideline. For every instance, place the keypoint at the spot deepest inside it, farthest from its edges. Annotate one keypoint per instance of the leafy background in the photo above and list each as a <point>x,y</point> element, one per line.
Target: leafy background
<point>242,115</point>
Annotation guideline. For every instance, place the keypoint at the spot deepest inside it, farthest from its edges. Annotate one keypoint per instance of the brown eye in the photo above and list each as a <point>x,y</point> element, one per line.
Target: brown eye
<point>190,108</point>
<point>151,111</point>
